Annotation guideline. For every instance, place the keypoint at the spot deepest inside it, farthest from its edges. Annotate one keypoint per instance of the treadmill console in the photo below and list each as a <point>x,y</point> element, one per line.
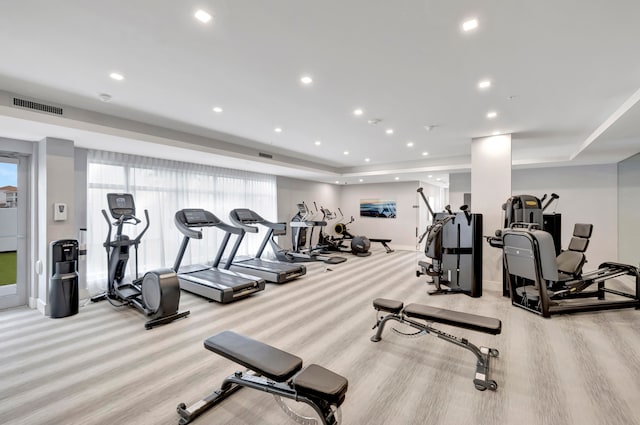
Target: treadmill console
<point>197,218</point>
<point>246,216</point>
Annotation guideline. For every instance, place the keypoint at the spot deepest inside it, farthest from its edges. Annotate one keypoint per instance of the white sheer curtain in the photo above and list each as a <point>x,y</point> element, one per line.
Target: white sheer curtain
<point>163,187</point>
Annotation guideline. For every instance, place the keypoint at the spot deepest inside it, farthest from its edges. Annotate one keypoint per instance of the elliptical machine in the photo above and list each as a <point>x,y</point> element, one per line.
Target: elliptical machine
<point>360,245</point>
<point>157,294</point>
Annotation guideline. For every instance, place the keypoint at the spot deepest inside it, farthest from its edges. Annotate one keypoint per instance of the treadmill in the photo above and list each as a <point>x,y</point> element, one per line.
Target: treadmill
<point>213,282</point>
<point>271,271</point>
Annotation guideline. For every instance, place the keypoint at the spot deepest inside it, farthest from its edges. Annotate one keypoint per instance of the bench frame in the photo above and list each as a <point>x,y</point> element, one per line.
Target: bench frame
<point>483,354</point>
<point>327,412</point>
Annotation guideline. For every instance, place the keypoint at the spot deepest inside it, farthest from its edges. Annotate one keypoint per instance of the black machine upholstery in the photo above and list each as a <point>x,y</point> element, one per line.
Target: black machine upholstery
<point>276,372</point>
<point>454,318</point>
<point>405,315</point>
<point>392,306</point>
<point>322,383</point>
<point>255,355</point>
<point>571,261</point>
<point>434,314</point>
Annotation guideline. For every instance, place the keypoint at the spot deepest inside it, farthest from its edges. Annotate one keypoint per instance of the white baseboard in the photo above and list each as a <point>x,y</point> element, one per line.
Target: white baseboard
<point>43,307</point>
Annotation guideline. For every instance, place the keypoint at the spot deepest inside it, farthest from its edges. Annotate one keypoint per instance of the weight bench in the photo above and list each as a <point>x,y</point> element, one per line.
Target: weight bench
<point>276,372</point>
<point>384,243</point>
<point>398,312</point>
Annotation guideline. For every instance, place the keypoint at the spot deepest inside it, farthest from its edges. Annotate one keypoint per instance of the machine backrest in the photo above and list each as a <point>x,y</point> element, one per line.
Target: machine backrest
<point>572,260</point>
<point>581,234</point>
<point>523,209</point>
<point>527,252</point>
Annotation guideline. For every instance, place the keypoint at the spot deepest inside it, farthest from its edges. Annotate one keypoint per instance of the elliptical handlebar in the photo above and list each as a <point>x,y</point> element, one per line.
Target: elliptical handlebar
<point>119,223</point>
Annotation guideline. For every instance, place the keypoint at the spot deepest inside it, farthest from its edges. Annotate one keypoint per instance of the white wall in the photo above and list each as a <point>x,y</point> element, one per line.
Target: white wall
<point>402,229</point>
<point>56,184</point>
<point>459,184</point>
<point>628,207</point>
<point>490,185</point>
<point>588,194</point>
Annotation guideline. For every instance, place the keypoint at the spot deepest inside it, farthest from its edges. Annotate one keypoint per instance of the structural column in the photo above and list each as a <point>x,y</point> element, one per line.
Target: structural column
<point>490,188</point>
<point>55,188</point>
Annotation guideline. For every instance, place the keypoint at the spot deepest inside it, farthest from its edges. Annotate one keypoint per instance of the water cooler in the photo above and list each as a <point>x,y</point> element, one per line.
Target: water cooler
<point>63,285</point>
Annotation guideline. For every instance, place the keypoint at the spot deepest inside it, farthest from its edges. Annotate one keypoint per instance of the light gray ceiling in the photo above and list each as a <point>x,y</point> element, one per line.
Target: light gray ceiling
<point>559,69</point>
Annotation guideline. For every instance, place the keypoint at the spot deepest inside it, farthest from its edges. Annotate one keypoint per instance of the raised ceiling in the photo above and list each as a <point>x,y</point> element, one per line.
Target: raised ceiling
<point>559,72</point>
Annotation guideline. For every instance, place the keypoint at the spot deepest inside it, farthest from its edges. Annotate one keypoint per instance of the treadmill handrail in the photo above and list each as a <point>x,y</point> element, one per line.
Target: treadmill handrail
<point>187,229</point>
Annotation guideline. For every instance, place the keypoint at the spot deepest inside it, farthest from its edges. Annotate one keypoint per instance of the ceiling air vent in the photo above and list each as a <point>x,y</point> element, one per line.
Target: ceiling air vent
<point>265,155</point>
<point>22,103</point>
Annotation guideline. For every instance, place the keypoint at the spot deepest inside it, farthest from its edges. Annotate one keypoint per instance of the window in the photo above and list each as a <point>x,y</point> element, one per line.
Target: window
<point>163,187</point>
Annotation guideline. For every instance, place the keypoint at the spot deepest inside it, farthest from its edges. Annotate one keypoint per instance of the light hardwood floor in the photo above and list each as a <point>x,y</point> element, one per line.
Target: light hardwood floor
<point>102,367</point>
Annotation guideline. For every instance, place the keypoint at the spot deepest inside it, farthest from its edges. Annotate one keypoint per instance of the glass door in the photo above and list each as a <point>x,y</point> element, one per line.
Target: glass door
<point>13,227</point>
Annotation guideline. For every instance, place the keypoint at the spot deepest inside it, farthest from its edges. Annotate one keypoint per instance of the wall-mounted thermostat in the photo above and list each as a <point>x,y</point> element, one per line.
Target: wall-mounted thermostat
<point>59,212</point>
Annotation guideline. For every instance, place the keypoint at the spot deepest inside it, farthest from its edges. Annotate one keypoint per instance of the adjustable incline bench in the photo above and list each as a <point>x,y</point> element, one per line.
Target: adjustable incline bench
<point>398,312</point>
<point>276,372</point>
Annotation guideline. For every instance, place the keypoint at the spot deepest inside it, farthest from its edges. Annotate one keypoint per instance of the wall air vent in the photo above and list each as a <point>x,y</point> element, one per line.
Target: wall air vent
<point>265,155</point>
<point>27,104</point>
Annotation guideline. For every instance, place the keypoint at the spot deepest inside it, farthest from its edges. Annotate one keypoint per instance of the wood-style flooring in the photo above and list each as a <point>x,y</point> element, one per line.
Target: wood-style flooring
<point>102,367</point>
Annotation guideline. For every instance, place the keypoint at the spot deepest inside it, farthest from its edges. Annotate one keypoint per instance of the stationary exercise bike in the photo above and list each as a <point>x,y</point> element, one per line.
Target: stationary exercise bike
<point>157,294</point>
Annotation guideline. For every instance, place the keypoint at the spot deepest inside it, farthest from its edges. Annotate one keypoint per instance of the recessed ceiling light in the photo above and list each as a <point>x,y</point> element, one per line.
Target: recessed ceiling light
<point>361,180</point>
<point>116,76</point>
<point>337,182</point>
<point>409,144</point>
<point>430,175</point>
<point>367,159</point>
<point>202,16</point>
<point>277,130</point>
<point>389,131</point>
<point>317,142</point>
<point>217,109</point>
<point>397,178</point>
<point>306,80</point>
<point>470,25</point>
<point>346,152</point>
<point>495,133</point>
<point>425,153</point>
<point>358,112</point>
<point>492,114</point>
<point>484,84</point>
<point>438,179</point>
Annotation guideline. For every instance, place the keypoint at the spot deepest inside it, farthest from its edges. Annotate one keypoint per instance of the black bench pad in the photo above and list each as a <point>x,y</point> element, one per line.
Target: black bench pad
<point>454,318</point>
<point>384,304</point>
<point>264,359</point>
<point>322,383</point>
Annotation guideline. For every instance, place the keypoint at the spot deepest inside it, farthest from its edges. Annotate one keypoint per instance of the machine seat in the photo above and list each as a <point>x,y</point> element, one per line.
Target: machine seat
<point>392,306</point>
<point>322,383</point>
<point>264,359</point>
